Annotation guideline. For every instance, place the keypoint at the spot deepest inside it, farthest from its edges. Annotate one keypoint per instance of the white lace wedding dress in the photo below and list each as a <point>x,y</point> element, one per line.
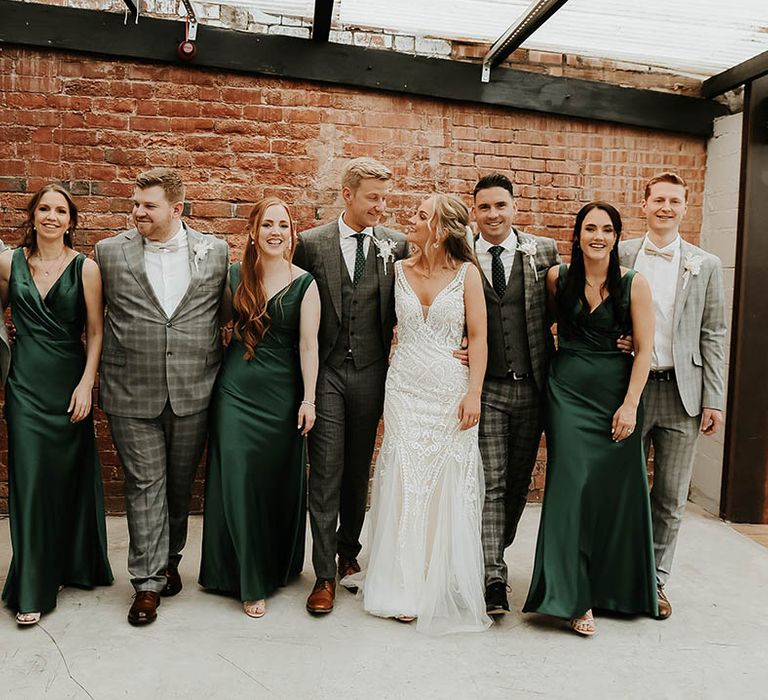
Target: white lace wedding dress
<point>425,558</point>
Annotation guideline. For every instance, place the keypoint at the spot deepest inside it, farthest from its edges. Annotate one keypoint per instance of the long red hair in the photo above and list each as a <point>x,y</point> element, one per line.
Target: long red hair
<point>250,299</point>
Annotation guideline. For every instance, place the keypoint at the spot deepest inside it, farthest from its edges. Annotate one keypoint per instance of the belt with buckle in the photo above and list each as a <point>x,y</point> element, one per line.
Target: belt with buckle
<point>661,375</point>
<point>519,377</point>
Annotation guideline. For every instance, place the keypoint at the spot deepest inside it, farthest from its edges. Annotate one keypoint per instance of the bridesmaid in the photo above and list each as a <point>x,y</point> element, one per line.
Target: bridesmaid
<point>595,548</point>
<point>55,493</point>
<point>262,407</point>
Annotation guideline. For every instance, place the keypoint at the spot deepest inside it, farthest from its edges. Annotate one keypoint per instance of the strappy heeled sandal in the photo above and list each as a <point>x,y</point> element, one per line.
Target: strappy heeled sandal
<point>255,608</point>
<point>584,625</point>
<point>27,618</point>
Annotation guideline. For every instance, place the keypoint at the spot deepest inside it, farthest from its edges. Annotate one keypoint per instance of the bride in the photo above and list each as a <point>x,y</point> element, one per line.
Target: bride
<point>425,556</point>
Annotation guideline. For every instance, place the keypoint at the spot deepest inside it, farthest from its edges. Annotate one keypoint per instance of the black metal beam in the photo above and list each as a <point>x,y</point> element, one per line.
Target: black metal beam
<point>518,32</point>
<point>52,27</point>
<point>736,76</point>
<point>321,24</point>
<point>744,493</point>
<point>132,7</point>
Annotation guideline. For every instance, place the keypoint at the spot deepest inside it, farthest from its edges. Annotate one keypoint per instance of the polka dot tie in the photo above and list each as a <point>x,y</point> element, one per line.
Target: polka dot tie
<point>359,258</point>
<point>497,270</point>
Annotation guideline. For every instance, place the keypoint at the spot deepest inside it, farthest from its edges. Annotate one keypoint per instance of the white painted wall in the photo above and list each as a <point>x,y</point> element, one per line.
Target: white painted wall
<point>718,236</point>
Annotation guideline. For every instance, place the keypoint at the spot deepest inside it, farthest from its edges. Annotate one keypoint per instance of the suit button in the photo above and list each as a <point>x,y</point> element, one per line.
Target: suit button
<point>168,354</point>
<point>169,325</point>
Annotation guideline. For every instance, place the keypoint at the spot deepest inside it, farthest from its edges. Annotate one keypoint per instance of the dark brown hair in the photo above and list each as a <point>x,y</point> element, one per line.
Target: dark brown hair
<point>29,239</point>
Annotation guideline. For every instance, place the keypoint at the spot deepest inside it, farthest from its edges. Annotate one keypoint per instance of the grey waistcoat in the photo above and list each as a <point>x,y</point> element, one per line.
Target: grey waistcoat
<point>507,329</point>
<point>360,330</point>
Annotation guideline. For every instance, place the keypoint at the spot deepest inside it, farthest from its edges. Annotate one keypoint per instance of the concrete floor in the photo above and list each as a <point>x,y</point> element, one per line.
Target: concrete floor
<point>203,646</point>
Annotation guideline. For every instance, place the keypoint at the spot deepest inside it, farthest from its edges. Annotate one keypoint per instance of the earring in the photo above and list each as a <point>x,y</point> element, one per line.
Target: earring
<point>252,242</point>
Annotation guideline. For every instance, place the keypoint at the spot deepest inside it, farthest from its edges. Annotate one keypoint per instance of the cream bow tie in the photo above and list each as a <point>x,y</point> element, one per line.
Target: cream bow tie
<point>170,246</point>
<point>666,254</point>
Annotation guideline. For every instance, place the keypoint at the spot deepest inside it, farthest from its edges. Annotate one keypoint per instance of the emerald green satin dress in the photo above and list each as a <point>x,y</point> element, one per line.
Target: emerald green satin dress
<point>595,547</point>
<point>56,500</point>
<point>255,489</point>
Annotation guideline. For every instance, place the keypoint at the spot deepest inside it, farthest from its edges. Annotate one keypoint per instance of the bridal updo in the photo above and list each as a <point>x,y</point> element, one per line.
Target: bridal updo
<point>449,222</point>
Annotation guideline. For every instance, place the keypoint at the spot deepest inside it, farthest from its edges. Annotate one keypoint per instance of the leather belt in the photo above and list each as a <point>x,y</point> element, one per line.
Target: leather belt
<point>661,375</point>
<point>518,377</point>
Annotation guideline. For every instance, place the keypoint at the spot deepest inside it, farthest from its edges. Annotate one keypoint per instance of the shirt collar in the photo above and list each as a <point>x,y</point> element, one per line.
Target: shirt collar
<point>672,247</point>
<point>347,232</point>
<point>509,243</point>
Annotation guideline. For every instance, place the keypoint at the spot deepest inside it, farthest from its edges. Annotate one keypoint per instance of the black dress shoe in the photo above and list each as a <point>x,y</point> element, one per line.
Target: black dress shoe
<point>173,583</point>
<point>496,602</point>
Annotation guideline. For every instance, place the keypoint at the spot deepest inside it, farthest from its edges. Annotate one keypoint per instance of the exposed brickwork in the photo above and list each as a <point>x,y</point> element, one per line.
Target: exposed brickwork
<point>235,138</point>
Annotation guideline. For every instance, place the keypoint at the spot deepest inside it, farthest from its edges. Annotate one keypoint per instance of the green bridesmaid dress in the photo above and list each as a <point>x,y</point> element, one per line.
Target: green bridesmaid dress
<point>595,547</point>
<point>55,493</point>
<point>255,502</point>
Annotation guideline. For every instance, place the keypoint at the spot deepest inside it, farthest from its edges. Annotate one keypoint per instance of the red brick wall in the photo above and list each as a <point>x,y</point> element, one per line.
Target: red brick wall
<point>97,123</point>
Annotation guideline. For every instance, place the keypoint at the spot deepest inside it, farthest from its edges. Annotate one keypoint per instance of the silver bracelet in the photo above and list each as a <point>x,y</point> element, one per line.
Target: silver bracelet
<point>308,403</point>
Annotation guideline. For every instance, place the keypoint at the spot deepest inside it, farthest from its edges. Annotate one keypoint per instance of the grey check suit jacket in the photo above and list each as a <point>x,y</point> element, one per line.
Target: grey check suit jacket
<point>538,323</point>
<point>149,358</point>
<point>698,339</point>
<point>318,252</point>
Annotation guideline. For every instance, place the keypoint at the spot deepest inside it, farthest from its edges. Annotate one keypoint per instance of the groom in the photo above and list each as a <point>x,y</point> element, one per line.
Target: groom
<point>352,261</point>
<point>514,266</point>
<point>162,284</point>
<point>684,395</point>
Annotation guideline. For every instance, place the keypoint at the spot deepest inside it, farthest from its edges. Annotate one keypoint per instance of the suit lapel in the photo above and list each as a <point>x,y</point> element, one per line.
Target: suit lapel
<point>681,294</point>
<point>529,275</point>
<point>385,287</point>
<point>633,248</point>
<point>196,272</point>
<point>133,250</point>
<point>332,262</point>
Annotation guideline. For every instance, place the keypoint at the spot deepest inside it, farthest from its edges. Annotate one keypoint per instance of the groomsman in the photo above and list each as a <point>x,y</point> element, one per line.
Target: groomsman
<point>352,261</point>
<point>520,345</point>
<point>684,393</point>
<point>162,285</point>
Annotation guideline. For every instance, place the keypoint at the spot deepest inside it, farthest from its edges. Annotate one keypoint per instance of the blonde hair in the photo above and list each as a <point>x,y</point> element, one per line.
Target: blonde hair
<point>672,178</point>
<point>449,221</point>
<point>166,178</point>
<point>363,169</point>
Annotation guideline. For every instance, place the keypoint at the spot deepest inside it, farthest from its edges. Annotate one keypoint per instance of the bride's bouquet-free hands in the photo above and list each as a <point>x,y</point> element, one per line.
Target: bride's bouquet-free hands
<point>469,410</point>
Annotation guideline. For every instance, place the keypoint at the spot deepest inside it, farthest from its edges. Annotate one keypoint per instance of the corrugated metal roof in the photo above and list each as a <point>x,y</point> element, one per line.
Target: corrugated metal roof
<point>702,37</point>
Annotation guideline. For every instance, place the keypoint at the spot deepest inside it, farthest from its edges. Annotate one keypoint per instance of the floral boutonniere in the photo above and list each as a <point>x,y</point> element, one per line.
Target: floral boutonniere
<point>385,248</point>
<point>201,252</point>
<point>529,250</point>
<point>691,266</point>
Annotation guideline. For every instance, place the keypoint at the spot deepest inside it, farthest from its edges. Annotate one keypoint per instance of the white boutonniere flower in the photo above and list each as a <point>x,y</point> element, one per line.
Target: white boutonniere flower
<point>529,250</point>
<point>691,266</point>
<point>201,252</point>
<point>385,249</point>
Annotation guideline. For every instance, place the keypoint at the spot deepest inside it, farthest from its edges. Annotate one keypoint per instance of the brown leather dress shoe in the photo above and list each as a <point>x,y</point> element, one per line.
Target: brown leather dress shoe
<point>347,567</point>
<point>320,601</point>
<point>173,583</point>
<point>665,607</point>
<point>144,608</point>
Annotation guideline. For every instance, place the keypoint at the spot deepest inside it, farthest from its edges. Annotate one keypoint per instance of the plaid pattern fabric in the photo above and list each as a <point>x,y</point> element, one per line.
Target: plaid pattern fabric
<point>673,433</point>
<point>698,346</point>
<point>148,358</point>
<point>511,424</point>
<point>159,457</point>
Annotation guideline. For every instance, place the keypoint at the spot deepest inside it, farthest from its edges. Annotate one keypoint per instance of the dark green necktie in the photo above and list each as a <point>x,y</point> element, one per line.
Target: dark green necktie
<point>359,258</point>
<point>497,270</point>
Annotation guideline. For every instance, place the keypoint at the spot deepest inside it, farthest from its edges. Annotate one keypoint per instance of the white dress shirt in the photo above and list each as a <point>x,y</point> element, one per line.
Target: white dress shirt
<point>349,244</point>
<point>169,272</point>
<point>662,275</point>
<point>485,259</point>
